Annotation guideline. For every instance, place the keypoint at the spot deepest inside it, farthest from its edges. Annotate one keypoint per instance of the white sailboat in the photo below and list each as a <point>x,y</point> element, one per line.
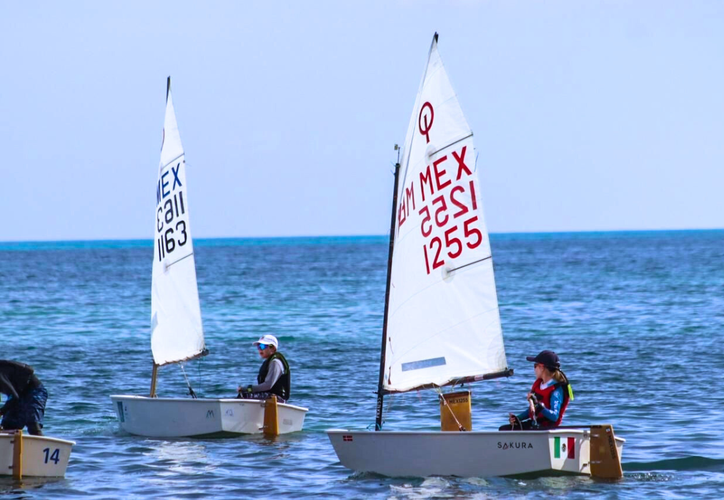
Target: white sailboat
<point>441,324</point>
<point>177,333</point>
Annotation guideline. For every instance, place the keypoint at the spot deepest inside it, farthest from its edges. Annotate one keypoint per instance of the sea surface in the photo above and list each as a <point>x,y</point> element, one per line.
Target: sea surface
<point>636,317</point>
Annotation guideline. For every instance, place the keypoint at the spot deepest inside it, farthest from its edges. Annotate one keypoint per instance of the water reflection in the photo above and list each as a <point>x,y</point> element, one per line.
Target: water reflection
<point>179,458</point>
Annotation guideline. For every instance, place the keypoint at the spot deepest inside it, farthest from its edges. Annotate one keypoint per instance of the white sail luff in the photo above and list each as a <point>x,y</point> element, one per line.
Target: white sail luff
<point>443,320</point>
<point>176,329</point>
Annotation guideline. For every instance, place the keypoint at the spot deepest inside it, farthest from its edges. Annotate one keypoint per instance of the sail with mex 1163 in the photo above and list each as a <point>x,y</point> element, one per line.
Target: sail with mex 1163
<point>177,333</point>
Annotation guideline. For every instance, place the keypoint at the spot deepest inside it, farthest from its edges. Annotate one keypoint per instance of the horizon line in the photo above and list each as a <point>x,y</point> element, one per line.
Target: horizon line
<point>501,233</point>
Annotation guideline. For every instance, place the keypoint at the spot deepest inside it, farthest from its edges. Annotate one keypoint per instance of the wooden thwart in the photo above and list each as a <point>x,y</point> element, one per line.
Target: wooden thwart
<point>271,417</point>
<point>605,462</point>
<point>456,411</point>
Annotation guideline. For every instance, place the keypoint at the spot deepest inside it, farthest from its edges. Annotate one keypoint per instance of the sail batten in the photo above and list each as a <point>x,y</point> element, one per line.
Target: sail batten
<point>433,153</point>
<point>176,329</point>
<point>170,162</point>
<point>443,322</point>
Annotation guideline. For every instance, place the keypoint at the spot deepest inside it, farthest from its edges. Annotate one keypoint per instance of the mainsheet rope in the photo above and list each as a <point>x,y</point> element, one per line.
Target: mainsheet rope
<point>444,401</point>
<point>188,384</point>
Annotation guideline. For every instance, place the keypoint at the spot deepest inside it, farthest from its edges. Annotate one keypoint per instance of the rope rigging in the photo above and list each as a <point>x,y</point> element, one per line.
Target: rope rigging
<point>444,402</point>
<point>188,384</point>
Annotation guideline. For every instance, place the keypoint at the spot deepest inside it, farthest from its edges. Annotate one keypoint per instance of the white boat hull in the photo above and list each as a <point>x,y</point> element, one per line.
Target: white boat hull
<point>42,456</point>
<point>465,454</point>
<point>171,417</point>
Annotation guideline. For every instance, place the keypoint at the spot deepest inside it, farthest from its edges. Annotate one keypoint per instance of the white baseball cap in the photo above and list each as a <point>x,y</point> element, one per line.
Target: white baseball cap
<point>267,339</point>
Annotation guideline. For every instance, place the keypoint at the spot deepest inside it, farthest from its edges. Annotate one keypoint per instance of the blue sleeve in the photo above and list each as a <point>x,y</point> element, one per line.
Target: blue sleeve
<point>555,409</point>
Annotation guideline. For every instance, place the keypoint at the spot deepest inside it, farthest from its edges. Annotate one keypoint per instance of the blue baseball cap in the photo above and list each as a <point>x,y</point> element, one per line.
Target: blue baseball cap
<point>549,359</point>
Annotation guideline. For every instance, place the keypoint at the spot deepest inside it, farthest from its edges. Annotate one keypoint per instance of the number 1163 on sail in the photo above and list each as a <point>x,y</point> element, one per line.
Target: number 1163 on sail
<point>171,235</point>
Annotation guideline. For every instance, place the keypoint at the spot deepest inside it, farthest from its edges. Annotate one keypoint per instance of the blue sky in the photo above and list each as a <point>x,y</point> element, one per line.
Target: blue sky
<point>587,115</point>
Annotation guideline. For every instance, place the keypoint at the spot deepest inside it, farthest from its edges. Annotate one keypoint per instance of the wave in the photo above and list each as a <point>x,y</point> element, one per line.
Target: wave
<point>677,464</point>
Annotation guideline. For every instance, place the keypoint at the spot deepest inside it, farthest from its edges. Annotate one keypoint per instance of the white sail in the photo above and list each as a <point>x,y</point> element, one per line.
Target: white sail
<point>176,330</point>
<point>443,320</point>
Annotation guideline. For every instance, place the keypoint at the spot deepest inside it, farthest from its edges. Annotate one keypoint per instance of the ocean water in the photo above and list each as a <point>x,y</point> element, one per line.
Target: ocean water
<point>636,317</point>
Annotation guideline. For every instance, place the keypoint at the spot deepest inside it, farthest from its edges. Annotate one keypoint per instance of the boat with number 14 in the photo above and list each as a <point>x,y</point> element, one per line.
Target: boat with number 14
<point>25,455</point>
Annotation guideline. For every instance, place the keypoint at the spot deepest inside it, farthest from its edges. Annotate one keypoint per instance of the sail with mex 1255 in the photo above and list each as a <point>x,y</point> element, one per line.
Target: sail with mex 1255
<point>441,324</point>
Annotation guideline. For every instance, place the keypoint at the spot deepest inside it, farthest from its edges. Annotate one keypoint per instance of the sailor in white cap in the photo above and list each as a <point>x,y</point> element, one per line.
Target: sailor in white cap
<point>274,375</point>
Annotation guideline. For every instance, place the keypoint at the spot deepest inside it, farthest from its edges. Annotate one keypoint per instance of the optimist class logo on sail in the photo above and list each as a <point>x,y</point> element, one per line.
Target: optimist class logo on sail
<point>171,213</point>
<point>427,115</point>
<point>442,200</point>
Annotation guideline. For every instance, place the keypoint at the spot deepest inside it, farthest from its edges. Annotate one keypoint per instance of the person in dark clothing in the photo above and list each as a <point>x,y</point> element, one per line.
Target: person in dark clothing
<point>27,396</point>
<point>274,377</point>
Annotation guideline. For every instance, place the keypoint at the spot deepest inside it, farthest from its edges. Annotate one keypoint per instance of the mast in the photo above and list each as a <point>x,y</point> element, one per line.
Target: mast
<point>153,380</point>
<point>154,373</point>
<point>380,392</point>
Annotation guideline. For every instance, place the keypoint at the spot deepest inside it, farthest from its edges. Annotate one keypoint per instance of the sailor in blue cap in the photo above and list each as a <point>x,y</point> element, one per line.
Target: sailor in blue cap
<point>547,399</point>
